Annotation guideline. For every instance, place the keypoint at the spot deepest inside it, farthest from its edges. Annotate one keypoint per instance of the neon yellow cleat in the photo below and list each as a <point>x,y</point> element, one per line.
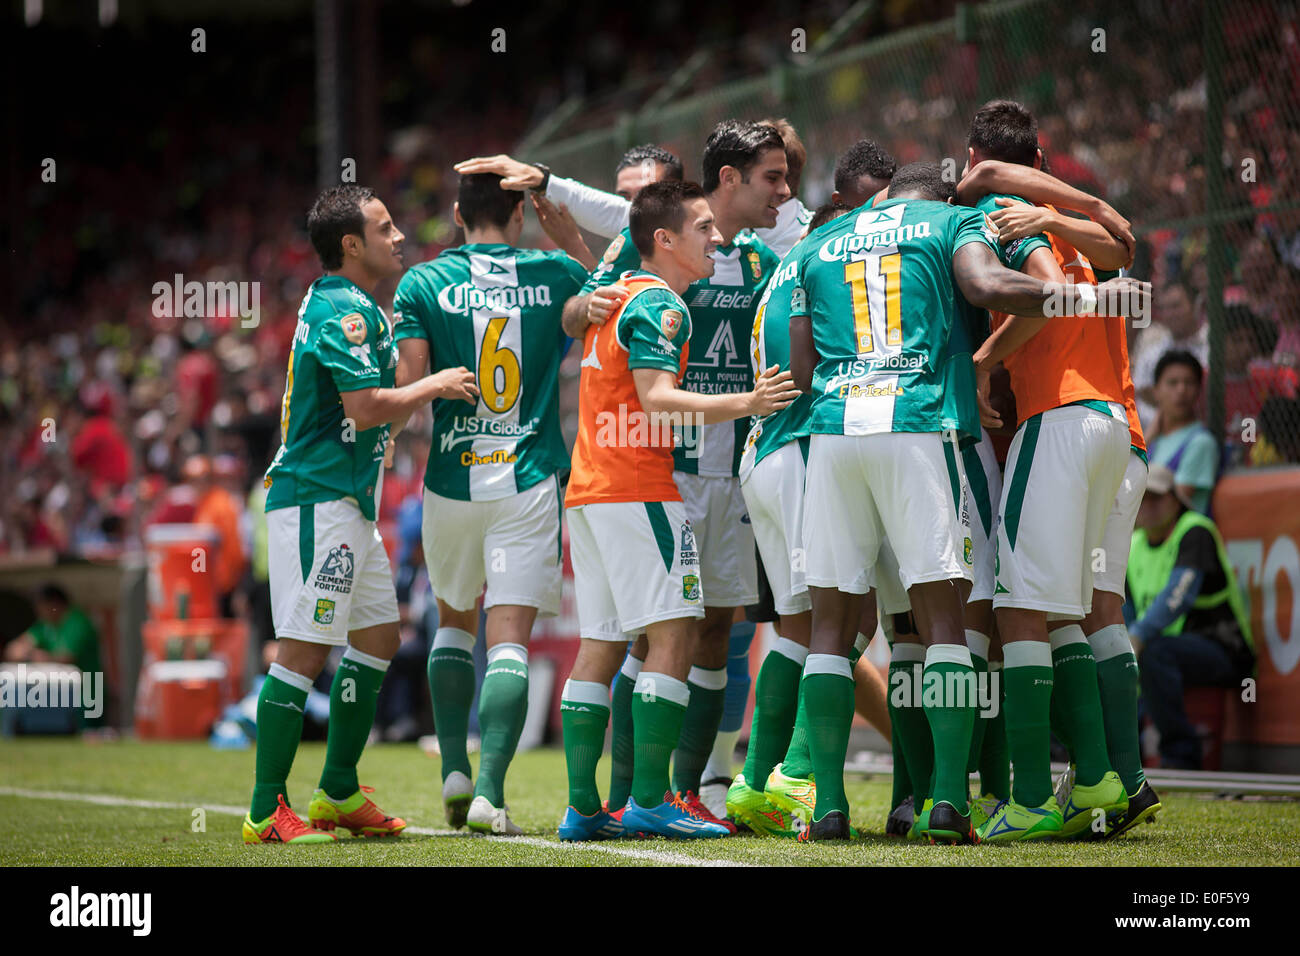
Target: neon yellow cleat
<point>1012,822</point>
<point>797,796</point>
<point>357,813</point>
<point>1091,811</point>
<point>753,808</point>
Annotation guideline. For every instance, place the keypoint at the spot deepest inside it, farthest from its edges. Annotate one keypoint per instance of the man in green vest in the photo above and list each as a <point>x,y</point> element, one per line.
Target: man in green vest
<point>1186,616</point>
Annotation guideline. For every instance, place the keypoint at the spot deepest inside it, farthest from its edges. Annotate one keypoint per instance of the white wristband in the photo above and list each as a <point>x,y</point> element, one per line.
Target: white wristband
<point>1087,299</point>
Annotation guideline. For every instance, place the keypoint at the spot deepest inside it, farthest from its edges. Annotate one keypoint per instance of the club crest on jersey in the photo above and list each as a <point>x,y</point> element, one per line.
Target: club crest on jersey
<point>691,588</point>
<point>966,551</point>
<point>614,249</point>
<point>354,328</point>
<point>324,612</point>
<point>755,266</point>
<point>670,321</point>
<point>336,571</point>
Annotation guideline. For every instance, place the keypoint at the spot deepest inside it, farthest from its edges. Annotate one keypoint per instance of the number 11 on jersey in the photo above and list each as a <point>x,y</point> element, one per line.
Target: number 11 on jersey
<point>883,281</point>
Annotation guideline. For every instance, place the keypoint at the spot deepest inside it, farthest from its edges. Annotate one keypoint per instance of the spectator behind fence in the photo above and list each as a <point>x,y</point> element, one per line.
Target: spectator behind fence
<point>1185,614</point>
<point>1180,441</point>
<point>1278,440</point>
<point>1177,325</point>
<point>1248,343</point>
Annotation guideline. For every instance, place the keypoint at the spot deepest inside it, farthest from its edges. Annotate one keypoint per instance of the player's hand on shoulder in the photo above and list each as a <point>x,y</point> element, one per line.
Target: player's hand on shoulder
<point>515,175</point>
<point>1016,219</point>
<point>457,383</point>
<point>773,391</point>
<point>603,301</point>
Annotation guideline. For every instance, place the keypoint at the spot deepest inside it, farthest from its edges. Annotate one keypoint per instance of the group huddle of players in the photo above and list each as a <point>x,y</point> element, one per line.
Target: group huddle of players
<point>838,467</point>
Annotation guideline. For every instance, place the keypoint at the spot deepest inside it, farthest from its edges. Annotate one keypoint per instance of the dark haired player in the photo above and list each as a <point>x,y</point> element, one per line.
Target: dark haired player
<point>492,494</point>
<point>633,547</point>
<point>323,492</point>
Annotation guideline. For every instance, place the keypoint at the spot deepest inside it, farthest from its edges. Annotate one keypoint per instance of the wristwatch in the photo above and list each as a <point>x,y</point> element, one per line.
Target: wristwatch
<point>546,177</point>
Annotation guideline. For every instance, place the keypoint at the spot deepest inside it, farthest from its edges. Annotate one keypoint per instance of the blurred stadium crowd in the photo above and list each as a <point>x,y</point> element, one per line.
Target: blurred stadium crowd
<point>103,403</point>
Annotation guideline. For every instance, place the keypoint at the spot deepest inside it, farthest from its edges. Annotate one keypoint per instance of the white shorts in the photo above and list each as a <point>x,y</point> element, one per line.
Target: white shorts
<point>904,487</point>
<point>891,596</point>
<point>512,544</point>
<point>716,507</point>
<point>1064,469</point>
<point>634,563</point>
<point>329,573</point>
<point>773,492</point>
<point>1117,539</point>
<point>984,488</point>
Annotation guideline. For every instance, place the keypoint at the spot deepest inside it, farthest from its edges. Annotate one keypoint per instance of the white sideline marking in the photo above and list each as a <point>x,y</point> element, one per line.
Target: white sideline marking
<point>108,800</point>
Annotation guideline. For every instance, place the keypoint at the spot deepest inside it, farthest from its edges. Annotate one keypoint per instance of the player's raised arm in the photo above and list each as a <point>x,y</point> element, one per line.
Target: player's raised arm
<point>995,176</point>
<point>1017,220</point>
<point>558,224</point>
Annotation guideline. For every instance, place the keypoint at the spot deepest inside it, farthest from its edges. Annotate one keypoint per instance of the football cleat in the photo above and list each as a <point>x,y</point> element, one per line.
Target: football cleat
<point>797,796</point>
<point>946,824</point>
<point>1011,822</point>
<point>757,813</point>
<point>283,826</point>
<point>1142,808</point>
<point>673,819</point>
<point>485,818</point>
<point>833,826</point>
<point>357,813</point>
<point>900,820</point>
<point>920,821</point>
<point>601,825</point>
<point>693,801</point>
<point>981,808</point>
<point>1104,801</point>
<point>457,792</point>
<point>713,794</point>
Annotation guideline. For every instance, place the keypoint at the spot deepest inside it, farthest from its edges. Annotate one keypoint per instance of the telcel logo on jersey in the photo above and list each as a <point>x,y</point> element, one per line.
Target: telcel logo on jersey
<point>916,687</point>
<point>459,299</point>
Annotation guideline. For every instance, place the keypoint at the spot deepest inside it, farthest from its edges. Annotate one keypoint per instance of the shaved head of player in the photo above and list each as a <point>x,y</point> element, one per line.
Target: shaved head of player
<point>864,170</point>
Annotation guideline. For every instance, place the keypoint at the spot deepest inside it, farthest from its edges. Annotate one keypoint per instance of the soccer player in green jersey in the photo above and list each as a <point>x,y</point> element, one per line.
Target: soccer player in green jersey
<point>322,500</point>
<point>744,168</point>
<point>871,315</point>
<point>492,493</point>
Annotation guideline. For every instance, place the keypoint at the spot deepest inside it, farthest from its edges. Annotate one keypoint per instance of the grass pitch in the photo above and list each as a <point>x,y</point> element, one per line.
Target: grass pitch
<point>128,803</point>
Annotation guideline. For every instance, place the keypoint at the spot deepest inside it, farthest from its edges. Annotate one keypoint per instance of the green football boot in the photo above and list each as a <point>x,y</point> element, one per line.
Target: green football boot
<point>1012,822</point>
<point>752,808</point>
<point>1089,812</point>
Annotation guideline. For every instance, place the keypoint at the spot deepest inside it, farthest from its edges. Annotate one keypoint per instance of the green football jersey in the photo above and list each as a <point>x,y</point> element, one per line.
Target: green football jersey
<point>770,345</point>
<point>878,287</point>
<point>495,310</point>
<point>343,343</point>
<point>722,315</point>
